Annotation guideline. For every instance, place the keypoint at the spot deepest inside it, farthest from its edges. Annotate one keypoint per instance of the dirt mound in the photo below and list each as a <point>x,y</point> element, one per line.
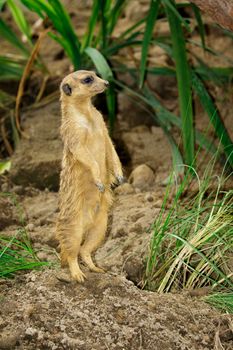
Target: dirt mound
<point>106,312</point>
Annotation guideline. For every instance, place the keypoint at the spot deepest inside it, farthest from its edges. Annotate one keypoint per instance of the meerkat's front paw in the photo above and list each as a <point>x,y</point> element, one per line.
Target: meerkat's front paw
<point>120,179</point>
<point>100,186</point>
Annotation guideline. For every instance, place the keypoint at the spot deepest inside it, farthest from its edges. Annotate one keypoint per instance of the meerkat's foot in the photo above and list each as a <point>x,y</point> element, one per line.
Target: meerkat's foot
<point>78,275</point>
<point>89,262</point>
<point>75,271</point>
<point>97,269</point>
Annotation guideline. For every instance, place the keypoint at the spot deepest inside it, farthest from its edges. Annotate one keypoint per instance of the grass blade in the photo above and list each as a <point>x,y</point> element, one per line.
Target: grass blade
<point>214,116</point>
<point>171,7</point>
<point>10,69</point>
<point>9,35</point>
<point>5,166</point>
<point>184,84</point>
<point>87,39</point>
<point>222,301</point>
<point>20,19</point>
<point>105,71</point>
<point>150,22</point>
<point>201,27</point>
<point>62,23</point>
<point>114,15</point>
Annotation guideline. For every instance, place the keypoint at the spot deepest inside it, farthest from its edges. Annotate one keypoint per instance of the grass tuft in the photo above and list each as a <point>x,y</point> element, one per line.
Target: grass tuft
<point>192,241</point>
<point>17,254</point>
<point>222,301</point>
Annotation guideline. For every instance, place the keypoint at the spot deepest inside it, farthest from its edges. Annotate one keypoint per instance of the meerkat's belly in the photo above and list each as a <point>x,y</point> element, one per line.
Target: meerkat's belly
<point>96,145</point>
<point>79,196</point>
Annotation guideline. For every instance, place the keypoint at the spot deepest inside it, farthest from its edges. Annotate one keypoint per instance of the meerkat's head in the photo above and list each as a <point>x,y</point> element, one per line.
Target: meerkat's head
<point>82,83</point>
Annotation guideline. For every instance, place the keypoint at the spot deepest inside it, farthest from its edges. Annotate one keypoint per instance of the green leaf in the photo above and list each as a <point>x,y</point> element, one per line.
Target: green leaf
<point>214,116</point>
<point>9,35</point>
<point>87,39</point>
<point>56,12</point>
<point>2,2</point>
<point>201,27</point>
<point>20,19</point>
<point>151,19</point>
<point>184,84</point>
<point>114,15</point>
<point>100,62</point>
<point>5,166</point>
<point>171,7</point>
<point>10,69</point>
<point>105,71</point>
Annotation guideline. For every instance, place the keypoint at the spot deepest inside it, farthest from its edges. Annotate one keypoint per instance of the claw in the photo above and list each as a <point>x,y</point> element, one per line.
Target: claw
<point>100,187</point>
<point>120,179</point>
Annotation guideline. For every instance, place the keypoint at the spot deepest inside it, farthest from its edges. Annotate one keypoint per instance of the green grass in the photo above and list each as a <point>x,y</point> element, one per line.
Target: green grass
<point>16,252</point>
<point>192,240</point>
<point>98,48</point>
<point>222,301</point>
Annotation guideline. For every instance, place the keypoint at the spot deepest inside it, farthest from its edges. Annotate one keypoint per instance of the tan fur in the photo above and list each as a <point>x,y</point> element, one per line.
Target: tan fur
<point>90,165</point>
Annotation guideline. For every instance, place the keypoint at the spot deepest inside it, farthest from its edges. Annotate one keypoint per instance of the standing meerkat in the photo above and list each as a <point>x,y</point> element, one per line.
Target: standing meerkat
<point>90,166</point>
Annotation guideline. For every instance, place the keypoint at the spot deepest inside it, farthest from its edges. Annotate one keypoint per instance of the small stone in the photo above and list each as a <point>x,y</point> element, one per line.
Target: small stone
<point>5,187</point>
<point>142,177</point>
<point>9,341</point>
<point>31,332</point>
<point>18,189</point>
<point>30,227</point>
<point>149,197</point>
<point>42,256</point>
<point>125,188</point>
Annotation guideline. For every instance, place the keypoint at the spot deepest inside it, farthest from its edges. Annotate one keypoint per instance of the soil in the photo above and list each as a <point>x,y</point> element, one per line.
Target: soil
<point>45,309</point>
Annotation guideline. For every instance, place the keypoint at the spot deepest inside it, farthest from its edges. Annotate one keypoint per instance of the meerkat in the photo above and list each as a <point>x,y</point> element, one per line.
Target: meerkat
<point>90,166</point>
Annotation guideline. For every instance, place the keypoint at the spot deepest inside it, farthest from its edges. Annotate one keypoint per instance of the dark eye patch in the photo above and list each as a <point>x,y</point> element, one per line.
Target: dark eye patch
<point>87,80</point>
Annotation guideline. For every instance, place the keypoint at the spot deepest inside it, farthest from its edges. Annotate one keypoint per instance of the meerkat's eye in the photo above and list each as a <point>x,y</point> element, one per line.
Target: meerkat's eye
<point>88,80</point>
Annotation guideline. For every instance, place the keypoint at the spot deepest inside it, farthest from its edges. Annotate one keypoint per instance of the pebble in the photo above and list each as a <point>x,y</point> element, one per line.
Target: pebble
<point>142,177</point>
<point>18,189</point>
<point>9,341</point>
<point>125,188</point>
<point>30,227</point>
<point>5,187</point>
<point>149,197</point>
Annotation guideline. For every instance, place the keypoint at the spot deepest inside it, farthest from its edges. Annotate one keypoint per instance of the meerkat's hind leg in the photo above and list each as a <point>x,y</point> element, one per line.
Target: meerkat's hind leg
<point>70,247</point>
<point>93,240</point>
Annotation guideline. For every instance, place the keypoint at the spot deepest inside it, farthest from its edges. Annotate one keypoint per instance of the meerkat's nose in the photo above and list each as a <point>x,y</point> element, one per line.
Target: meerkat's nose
<point>106,83</point>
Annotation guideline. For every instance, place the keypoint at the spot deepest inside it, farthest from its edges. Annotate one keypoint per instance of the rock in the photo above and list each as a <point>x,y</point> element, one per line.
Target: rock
<point>150,148</point>
<point>134,269</point>
<point>149,197</point>
<point>125,188</point>
<point>18,189</point>
<point>5,187</point>
<point>9,339</point>
<point>30,227</point>
<point>142,177</point>
<point>37,160</point>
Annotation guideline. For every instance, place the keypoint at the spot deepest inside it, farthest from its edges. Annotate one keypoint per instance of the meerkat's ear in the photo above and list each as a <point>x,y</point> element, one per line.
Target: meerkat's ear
<point>67,89</point>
